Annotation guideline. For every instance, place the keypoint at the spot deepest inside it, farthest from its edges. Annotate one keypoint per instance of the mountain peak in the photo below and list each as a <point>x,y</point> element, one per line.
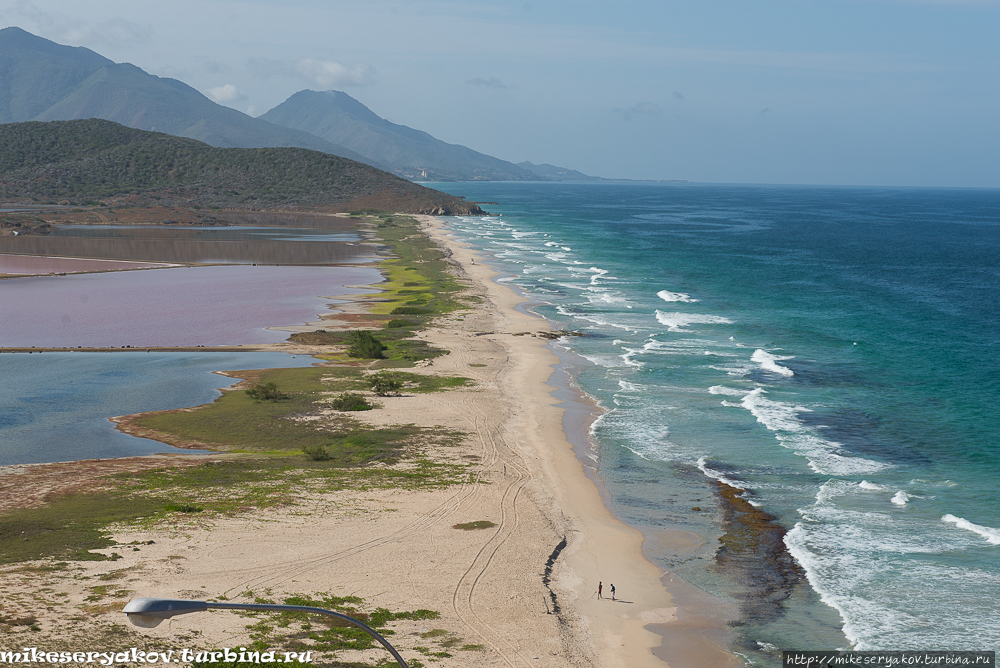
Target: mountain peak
<point>337,117</point>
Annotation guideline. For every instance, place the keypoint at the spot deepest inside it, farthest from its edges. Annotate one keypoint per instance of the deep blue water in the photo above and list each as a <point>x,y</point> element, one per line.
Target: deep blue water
<point>831,351</point>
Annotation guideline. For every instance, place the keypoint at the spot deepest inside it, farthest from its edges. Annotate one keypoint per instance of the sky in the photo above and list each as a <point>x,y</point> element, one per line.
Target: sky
<point>836,92</point>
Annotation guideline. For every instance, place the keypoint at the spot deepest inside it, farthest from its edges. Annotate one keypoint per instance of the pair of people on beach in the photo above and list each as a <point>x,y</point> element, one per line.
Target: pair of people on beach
<point>600,591</point>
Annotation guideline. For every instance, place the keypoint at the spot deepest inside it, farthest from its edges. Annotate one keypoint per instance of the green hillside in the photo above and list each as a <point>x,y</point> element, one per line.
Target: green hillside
<point>90,161</point>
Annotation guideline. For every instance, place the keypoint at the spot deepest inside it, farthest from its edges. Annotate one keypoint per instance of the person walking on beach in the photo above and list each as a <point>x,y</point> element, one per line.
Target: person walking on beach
<point>612,592</point>
<point>600,588</point>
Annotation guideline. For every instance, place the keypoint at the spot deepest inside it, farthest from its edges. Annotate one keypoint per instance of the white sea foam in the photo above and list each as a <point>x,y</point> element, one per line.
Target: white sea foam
<point>604,296</point>
<point>728,391</point>
<point>769,362</point>
<point>609,361</point>
<point>718,475</point>
<point>900,498</point>
<point>604,322</point>
<point>991,535</point>
<point>859,565</point>
<point>872,487</point>
<point>735,368</point>
<point>676,322</point>
<point>668,296</point>
<point>599,274</point>
<point>824,457</point>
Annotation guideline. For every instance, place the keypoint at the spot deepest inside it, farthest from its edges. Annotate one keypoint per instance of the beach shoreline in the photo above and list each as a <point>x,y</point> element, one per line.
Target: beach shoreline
<point>656,631</point>
<point>522,592</point>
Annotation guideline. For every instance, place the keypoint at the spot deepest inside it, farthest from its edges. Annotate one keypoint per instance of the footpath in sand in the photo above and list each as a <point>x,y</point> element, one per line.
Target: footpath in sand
<point>521,592</point>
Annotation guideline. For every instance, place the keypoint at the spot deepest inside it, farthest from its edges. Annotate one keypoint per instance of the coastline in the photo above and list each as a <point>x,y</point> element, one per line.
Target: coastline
<point>522,592</point>
<point>604,549</point>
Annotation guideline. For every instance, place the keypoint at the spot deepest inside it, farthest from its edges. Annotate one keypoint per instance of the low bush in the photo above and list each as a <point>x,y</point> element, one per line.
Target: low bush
<point>316,453</point>
<point>409,310</point>
<point>351,401</point>
<point>182,508</point>
<point>266,392</point>
<point>395,323</point>
<point>385,384</point>
<point>365,346</point>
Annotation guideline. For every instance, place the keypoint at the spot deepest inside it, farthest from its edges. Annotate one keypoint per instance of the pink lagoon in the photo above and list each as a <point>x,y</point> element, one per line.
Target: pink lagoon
<point>183,306</point>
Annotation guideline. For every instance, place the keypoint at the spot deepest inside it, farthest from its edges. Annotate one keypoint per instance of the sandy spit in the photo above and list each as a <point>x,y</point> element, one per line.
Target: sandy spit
<point>519,593</point>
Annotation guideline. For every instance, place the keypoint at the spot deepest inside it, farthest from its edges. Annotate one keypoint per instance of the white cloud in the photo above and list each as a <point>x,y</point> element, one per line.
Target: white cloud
<point>324,74</point>
<point>329,74</point>
<point>73,30</point>
<point>226,94</point>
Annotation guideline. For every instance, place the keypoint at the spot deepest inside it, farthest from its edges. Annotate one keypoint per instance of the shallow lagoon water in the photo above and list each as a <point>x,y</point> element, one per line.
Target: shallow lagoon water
<point>184,306</point>
<point>55,406</point>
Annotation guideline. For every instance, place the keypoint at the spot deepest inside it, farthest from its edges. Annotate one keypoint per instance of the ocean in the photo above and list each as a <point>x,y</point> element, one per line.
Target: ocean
<point>805,377</point>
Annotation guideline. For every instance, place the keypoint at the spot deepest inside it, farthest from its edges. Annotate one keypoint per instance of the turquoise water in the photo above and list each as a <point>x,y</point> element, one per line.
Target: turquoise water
<point>829,351</point>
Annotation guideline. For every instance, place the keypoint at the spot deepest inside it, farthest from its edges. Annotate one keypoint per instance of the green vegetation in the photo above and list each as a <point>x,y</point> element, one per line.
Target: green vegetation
<point>419,281</point>
<point>385,384</point>
<point>182,508</point>
<point>316,453</point>
<point>324,636</point>
<point>327,637</point>
<point>351,401</point>
<point>280,450</point>
<point>83,162</point>
<point>265,392</point>
<point>364,345</point>
<point>472,526</point>
<point>71,526</point>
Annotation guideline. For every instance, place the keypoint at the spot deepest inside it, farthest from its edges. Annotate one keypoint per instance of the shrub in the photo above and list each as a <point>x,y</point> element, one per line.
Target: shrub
<point>395,323</point>
<point>364,345</point>
<point>182,508</point>
<point>408,310</point>
<point>351,401</point>
<point>266,392</point>
<point>385,384</point>
<point>316,453</point>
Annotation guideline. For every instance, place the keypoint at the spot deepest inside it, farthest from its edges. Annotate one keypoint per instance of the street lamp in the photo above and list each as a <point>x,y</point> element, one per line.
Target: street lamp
<point>149,612</point>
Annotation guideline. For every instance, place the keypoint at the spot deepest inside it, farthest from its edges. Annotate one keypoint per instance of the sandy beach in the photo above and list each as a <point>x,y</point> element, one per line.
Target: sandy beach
<point>520,592</point>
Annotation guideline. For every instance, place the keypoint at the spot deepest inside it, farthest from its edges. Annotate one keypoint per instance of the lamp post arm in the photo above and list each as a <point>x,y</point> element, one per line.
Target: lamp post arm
<point>264,607</point>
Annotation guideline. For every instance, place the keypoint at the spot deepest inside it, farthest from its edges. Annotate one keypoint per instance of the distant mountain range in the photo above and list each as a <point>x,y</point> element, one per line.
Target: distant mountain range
<point>41,80</point>
<point>340,119</point>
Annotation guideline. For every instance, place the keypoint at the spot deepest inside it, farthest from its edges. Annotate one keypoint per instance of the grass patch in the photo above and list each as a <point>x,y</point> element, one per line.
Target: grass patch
<point>419,281</point>
<point>299,631</point>
<point>234,421</point>
<point>70,526</point>
<point>472,526</point>
<point>182,508</point>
